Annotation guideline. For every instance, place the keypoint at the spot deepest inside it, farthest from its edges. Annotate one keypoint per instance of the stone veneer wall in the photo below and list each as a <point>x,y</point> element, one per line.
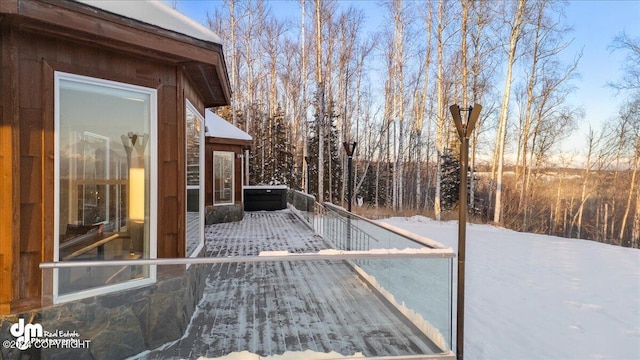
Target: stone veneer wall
<point>120,324</point>
<point>223,214</point>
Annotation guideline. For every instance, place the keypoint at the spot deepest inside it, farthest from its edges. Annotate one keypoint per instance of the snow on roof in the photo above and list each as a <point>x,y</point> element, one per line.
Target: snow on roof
<point>218,127</point>
<point>158,14</point>
<point>261,187</point>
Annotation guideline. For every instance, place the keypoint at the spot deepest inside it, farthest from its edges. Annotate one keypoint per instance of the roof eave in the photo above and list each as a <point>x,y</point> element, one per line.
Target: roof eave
<point>202,61</point>
<point>246,144</point>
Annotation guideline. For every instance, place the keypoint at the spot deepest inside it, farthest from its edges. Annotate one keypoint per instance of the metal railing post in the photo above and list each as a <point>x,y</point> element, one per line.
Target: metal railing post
<point>464,132</point>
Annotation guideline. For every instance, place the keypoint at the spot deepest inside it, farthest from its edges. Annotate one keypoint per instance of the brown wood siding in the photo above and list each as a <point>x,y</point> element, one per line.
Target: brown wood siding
<point>171,174</point>
<point>170,197</point>
<point>28,63</point>
<point>48,175</point>
<point>9,160</point>
<point>9,6</point>
<point>31,179</point>
<point>5,266</point>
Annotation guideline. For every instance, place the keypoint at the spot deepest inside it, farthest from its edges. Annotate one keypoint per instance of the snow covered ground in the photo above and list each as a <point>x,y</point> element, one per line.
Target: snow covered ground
<point>528,296</point>
<point>532,296</point>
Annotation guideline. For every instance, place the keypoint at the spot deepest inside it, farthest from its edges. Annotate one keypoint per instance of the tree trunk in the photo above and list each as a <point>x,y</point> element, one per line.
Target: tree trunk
<point>320,89</point>
<point>234,60</point>
<point>504,109</point>
<point>303,113</point>
<point>422,110</point>
<point>533,75</point>
<point>399,98</point>
<point>440,127</point>
<point>377,185</point>
<point>591,143</point>
<point>635,237</point>
<point>605,223</point>
<point>477,39</point>
<point>632,183</point>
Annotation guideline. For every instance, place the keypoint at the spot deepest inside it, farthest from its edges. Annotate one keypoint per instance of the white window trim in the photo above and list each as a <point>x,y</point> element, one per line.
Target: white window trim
<point>201,180</point>
<point>233,178</point>
<point>153,186</point>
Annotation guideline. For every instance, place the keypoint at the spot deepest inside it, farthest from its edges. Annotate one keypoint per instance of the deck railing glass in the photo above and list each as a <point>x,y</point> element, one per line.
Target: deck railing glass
<point>375,290</point>
<point>267,306</point>
<point>420,289</point>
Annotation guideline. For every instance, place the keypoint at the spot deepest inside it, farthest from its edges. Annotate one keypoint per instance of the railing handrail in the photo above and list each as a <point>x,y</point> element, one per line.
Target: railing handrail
<point>270,256</point>
<point>394,229</point>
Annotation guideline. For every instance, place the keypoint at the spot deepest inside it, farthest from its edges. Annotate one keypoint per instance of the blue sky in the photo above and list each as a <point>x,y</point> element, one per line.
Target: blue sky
<point>595,24</point>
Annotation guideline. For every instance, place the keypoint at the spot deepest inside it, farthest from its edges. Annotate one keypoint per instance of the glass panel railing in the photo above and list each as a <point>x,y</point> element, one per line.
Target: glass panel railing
<point>82,282</point>
<point>303,204</point>
<point>398,280</point>
<point>393,307</point>
<point>419,289</point>
<point>348,232</point>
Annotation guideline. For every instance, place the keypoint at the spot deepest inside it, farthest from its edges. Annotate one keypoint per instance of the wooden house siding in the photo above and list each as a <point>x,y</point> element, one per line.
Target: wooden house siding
<point>9,179</point>
<point>31,50</point>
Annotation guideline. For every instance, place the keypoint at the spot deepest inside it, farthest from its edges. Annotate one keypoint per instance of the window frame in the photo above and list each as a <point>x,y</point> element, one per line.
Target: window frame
<point>189,106</point>
<point>233,175</point>
<point>153,184</point>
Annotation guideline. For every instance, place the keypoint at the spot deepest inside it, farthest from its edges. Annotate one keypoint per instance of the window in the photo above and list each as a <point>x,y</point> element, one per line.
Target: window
<point>105,183</point>
<point>223,177</point>
<point>194,140</point>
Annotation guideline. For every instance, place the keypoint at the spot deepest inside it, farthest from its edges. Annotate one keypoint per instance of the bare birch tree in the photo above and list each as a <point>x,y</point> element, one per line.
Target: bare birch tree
<point>441,128</point>
<point>397,95</point>
<point>593,143</point>
<point>630,81</point>
<point>420,101</point>
<point>320,100</point>
<point>516,26</point>
<point>630,114</point>
<point>304,102</point>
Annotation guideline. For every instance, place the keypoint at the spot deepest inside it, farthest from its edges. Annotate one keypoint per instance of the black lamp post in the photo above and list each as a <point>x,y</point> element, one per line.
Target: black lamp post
<point>307,159</point>
<point>350,149</point>
<point>464,132</point>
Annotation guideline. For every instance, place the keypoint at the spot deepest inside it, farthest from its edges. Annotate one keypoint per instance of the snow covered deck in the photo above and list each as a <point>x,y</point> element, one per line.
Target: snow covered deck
<point>273,307</point>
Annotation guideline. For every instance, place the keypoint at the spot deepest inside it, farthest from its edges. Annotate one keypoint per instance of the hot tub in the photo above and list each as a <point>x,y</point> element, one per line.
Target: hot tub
<point>265,197</point>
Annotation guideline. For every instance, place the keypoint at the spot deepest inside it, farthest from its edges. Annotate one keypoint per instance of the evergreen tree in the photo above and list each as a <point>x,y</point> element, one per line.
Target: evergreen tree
<point>368,188</point>
<point>259,153</point>
<point>280,164</point>
<point>450,180</point>
<point>332,148</point>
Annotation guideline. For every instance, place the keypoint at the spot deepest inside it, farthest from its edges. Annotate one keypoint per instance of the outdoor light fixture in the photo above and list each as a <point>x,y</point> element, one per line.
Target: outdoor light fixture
<point>464,132</point>
<point>307,160</point>
<point>350,148</point>
<point>133,142</point>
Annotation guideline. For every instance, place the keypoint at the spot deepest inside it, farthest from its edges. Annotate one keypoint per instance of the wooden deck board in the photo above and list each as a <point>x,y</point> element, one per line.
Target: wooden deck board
<point>273,307</point>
